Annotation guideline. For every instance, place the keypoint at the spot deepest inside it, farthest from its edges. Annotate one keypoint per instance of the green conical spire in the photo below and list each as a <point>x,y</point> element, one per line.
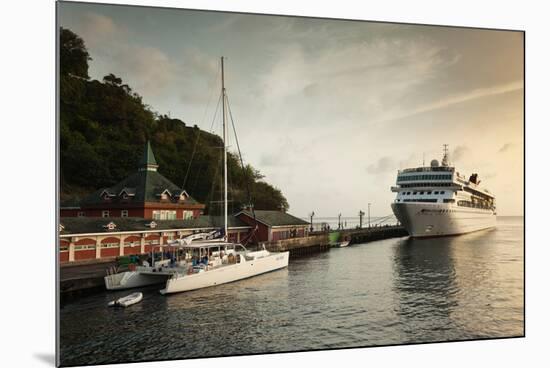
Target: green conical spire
<point>148,161</point>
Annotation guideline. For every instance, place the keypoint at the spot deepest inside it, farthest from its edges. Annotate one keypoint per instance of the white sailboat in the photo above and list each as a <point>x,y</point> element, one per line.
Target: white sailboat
<point>215,262</point>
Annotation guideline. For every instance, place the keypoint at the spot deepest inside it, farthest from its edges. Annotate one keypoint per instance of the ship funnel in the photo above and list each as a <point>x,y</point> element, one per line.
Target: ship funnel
<point>434,163</point>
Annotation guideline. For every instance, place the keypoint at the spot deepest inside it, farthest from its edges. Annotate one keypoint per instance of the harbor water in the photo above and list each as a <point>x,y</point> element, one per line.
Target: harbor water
<point>386,292</point>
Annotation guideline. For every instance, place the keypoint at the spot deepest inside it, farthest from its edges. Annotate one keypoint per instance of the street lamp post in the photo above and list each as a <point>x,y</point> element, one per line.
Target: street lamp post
<point>339,221</point>
<point>369,215</point>
<point>311,220</point>
<point>361,214</point>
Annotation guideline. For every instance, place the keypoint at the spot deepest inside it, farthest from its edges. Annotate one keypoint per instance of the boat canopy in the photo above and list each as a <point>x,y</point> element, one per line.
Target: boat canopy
<point>203,244</point>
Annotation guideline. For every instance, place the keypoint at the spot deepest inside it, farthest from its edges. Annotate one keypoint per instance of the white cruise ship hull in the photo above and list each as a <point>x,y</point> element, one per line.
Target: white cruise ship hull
<point>226,273</point>
<point>441,219</point>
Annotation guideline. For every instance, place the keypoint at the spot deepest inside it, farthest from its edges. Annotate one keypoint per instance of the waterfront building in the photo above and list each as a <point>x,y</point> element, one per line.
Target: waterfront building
<point>89,239</point>
<point>145,194</point>
<point>146,210</point>
<point>98,238</point>
<point>274,225</point>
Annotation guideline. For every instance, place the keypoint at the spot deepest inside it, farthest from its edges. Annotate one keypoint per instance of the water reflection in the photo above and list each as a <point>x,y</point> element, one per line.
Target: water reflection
<point>425,286</point>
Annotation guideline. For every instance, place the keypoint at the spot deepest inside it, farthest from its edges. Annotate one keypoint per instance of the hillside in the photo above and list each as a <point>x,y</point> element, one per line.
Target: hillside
<point>105,124</point>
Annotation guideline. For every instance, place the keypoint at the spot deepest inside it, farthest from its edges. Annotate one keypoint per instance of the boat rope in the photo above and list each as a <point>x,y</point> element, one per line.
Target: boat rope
<point>249,192</point>
<point>197,142</point>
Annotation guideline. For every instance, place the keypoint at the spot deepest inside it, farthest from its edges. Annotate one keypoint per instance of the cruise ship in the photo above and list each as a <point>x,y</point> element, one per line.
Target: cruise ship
<point>437,200</point>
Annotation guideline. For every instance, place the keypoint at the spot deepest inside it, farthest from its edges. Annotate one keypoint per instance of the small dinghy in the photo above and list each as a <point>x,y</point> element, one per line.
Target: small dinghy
<point>127,300</point>
<point>343,244</point>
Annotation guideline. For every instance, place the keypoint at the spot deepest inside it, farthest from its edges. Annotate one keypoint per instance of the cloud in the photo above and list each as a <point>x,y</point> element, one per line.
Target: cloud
<point>383,165</point>
<point>459,152</point>
<point>95,29</point>
<point>507,147</point>
<point>150,69</point>
<point>147,69</point>
<point>460,98</point>
<point>360,81</point>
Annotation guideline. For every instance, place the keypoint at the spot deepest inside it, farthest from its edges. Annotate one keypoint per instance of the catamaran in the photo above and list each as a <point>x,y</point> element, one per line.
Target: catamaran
<point>214,262</point>
<point>207,260</point>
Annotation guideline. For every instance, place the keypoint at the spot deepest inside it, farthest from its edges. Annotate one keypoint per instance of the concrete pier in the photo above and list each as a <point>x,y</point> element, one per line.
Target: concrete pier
<point>366,235</point>
<point>83,277</point>
<point>299,246</point>
<point>319,241</point>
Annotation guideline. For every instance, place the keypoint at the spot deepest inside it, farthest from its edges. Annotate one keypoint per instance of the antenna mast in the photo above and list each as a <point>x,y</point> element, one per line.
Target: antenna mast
<point>445,161</point>
<point>224,156</point>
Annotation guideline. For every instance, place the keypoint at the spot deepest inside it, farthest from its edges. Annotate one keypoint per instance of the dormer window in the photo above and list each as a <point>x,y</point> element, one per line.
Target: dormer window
<point>106,195</point>
<point>110,226</point>
<point>182,196</point>
<point>127,193</point>
<point>165,195</point>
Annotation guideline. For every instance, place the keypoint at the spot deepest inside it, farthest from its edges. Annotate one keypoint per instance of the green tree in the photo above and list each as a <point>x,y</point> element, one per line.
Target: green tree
<point>73,56</point>
<point>104,125</point>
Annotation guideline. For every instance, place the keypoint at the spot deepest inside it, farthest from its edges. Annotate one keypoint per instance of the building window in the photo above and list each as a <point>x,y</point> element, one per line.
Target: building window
<point>80,214</point>
<point>110,245</point>
<point>187,215</point>
<point>104,213</point>
<point>84,247</point>
<point>164,215</point>
<point>124,213</point>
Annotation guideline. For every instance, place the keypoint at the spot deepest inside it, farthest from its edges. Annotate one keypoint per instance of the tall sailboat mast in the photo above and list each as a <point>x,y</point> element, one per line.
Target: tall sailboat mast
<point>224,155</point>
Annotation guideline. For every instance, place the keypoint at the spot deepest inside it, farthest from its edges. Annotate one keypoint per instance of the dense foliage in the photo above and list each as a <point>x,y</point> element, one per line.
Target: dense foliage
<point>104,126</point>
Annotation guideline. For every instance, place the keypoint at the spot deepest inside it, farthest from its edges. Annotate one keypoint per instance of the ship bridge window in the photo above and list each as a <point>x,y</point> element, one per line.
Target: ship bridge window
<point>424,177</point>
<point>429,192</point>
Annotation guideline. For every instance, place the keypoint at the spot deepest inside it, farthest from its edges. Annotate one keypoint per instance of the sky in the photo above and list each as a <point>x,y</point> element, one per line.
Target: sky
<point>327,110</point>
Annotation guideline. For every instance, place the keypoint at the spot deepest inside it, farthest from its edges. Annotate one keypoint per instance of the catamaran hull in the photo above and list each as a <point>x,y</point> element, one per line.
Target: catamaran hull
<point>132,279</point>
<point>226,274</point>
<point>438,219</point>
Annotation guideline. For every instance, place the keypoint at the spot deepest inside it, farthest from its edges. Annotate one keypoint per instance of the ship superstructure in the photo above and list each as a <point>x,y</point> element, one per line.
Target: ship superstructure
<point>437,200</point>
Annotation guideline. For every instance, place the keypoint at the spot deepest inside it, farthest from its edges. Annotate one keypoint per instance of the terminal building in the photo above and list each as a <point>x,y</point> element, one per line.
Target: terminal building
<point>145,211</point>
<point>145,194</point>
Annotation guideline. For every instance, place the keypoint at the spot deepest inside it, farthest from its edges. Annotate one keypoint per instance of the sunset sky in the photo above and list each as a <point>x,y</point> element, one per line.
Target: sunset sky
<point>327,110</point>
